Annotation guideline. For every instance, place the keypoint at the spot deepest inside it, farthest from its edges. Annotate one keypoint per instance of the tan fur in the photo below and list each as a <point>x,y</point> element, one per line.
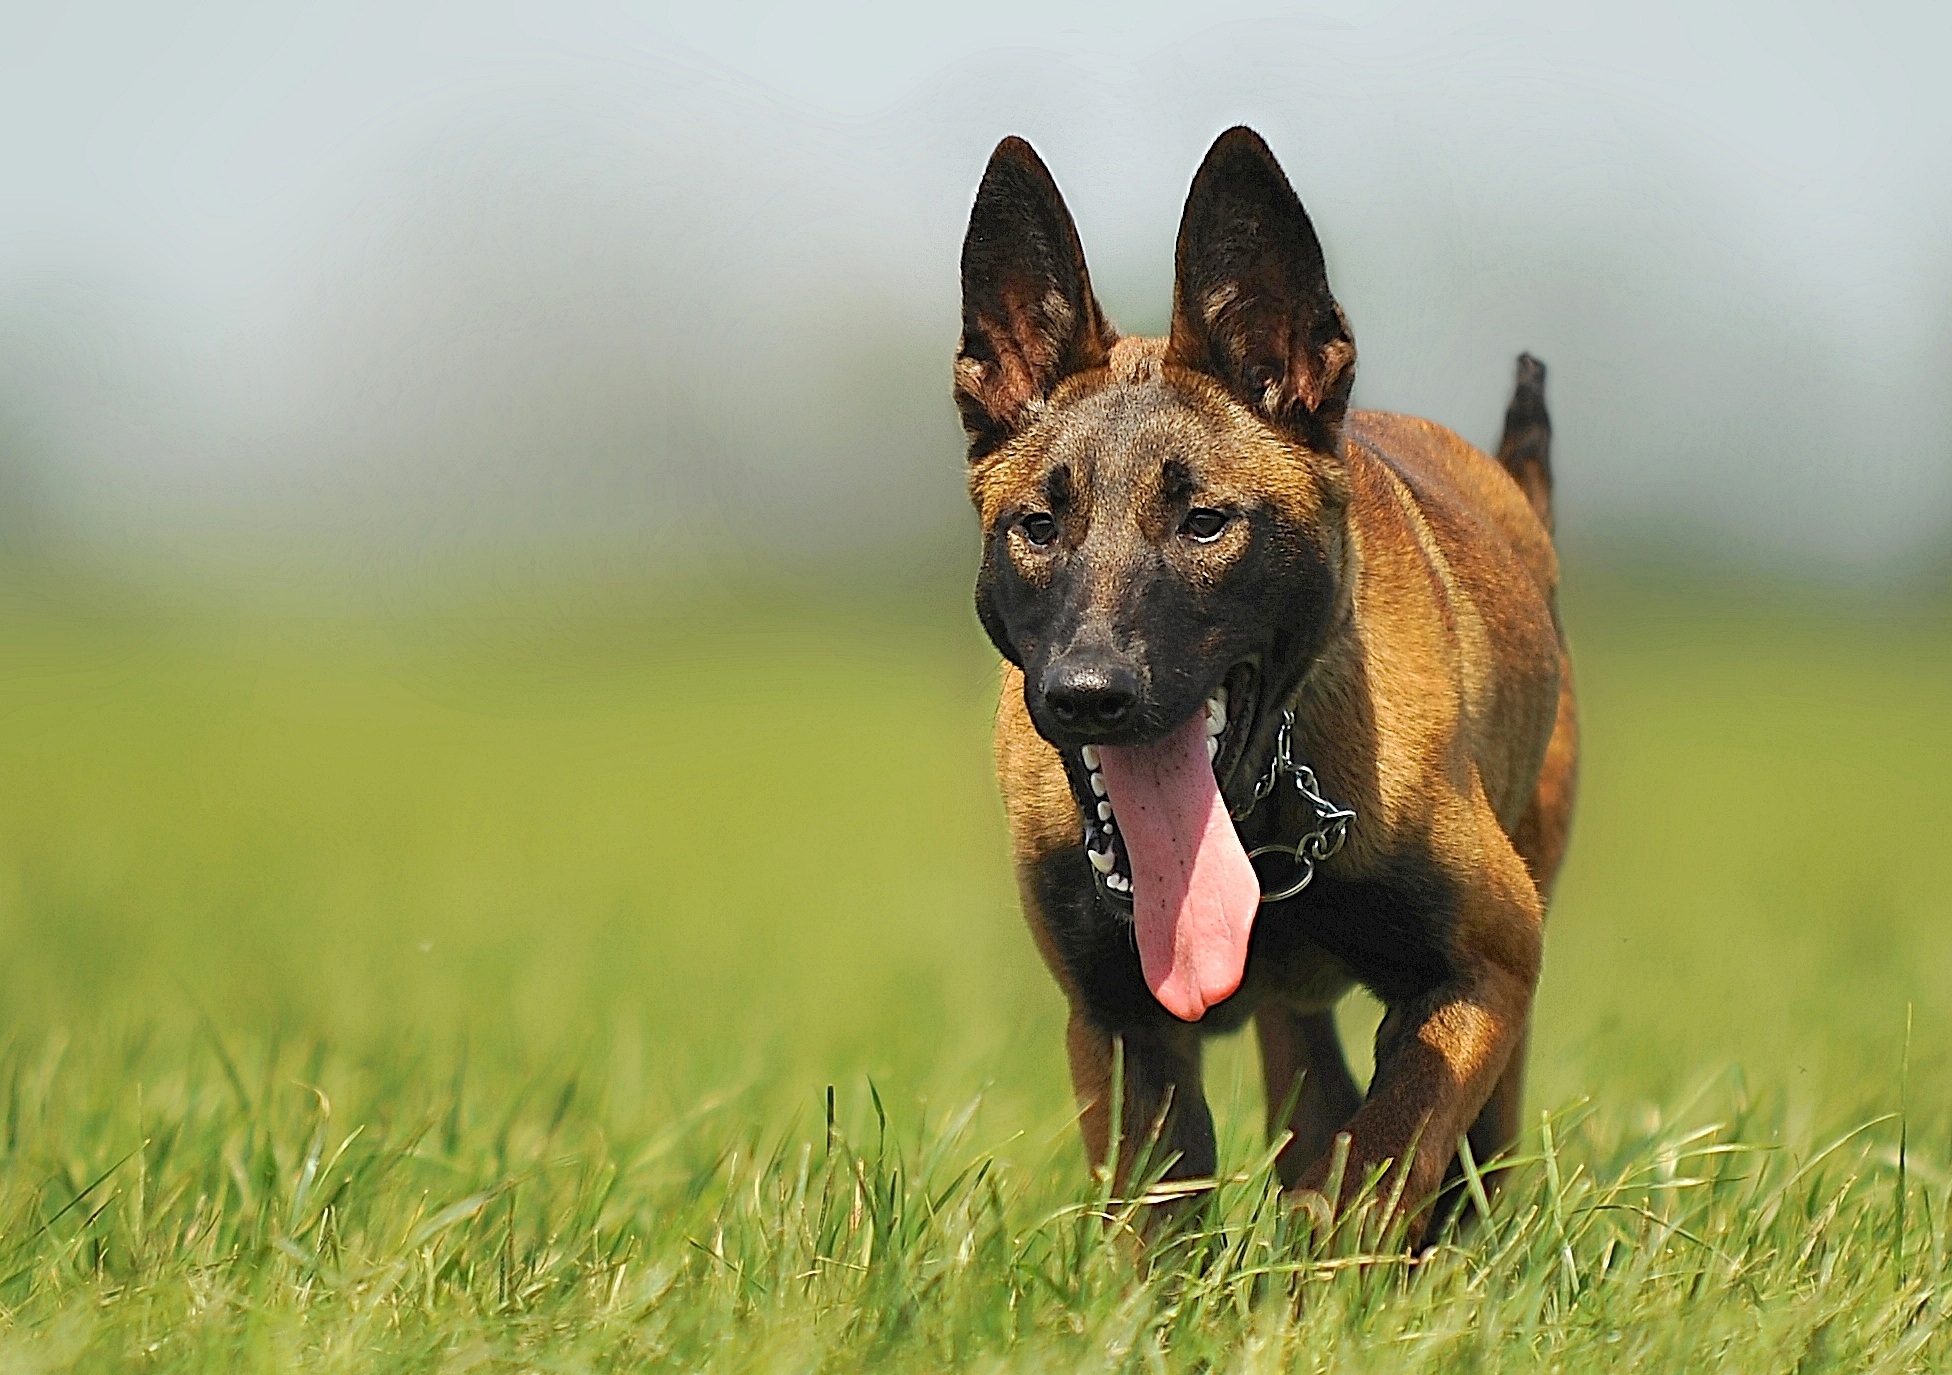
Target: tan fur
<point>1157,513</point>
<point>1428,712</point>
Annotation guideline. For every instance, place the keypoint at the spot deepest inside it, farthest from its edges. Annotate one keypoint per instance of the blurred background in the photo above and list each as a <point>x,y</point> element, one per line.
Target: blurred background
<point>346,293</point>
<point>483,556</point>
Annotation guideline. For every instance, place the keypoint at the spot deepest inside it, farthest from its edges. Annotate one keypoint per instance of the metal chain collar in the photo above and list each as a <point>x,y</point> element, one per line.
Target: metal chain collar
<point>1331,822</point>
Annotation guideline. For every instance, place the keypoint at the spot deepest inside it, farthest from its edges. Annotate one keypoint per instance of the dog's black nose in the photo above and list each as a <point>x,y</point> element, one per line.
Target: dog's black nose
<point>1091,692</point>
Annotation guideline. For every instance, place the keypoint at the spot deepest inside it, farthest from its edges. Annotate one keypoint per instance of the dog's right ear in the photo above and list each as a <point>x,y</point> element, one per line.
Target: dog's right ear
<point>1029,319</point>
<point>1251,302</point>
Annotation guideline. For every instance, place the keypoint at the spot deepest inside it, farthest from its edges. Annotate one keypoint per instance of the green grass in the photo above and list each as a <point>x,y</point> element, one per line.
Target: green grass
<point>413,995</point>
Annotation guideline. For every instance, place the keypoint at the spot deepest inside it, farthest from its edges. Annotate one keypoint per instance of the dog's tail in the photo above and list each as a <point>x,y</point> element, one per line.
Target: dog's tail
<point>1526,449</point>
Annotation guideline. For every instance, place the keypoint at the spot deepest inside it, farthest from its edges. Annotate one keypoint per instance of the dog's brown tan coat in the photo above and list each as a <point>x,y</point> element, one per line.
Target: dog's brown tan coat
<point>1434,697</point>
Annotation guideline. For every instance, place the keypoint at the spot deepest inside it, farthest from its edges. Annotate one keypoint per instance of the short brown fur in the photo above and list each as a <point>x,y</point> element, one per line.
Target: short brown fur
<point>1436,703</point>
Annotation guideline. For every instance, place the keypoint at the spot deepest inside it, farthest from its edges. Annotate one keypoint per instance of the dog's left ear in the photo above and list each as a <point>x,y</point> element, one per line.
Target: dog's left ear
<point>1251,304</point>
<point>1029,319</point>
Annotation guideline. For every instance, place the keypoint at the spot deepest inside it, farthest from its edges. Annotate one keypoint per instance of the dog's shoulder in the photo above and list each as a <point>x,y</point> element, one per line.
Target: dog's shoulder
<point>1477,512</point>
<point>1457,634</point>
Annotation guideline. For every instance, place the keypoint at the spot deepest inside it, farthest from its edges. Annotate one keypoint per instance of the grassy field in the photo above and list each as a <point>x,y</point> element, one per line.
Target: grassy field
<point>465,993</point>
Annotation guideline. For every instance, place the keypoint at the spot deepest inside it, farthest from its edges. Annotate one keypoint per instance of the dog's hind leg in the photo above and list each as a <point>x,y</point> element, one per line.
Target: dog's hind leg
<point>1541,833</point>
<point>1540,839</point>
<point>1309,1089</point>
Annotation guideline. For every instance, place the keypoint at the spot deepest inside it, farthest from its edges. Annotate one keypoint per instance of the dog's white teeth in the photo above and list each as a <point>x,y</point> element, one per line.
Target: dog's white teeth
<point>1090,753</point>
<point>1102,862</point>
<point>1104,811</point>
<point>1216,713</point>
<point>1118,882</point>
<point>1097,783</point>
<point>1212,749</point>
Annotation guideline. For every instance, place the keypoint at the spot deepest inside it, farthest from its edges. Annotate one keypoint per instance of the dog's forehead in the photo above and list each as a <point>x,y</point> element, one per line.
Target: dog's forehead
<point>1126,428</point>
<point>1129,437</point>
<point>1144,443</point>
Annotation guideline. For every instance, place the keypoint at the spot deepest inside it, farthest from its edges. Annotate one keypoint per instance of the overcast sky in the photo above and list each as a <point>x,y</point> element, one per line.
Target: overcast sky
<point>408,278</point>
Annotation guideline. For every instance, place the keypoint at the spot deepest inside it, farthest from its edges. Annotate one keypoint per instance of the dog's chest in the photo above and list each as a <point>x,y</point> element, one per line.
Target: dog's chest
<point>1390,932</point>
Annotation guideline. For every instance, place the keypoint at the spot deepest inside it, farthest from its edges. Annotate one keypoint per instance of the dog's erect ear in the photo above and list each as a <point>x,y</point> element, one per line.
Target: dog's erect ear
<point>1028,316</point>
<point>1251,304</point>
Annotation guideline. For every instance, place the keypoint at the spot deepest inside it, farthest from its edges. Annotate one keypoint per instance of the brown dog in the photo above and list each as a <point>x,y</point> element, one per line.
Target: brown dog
<point>1208,577</point>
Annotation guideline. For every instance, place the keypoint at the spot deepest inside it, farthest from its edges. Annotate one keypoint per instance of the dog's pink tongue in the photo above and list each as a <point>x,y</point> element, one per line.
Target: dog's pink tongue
<point>1194,894</point>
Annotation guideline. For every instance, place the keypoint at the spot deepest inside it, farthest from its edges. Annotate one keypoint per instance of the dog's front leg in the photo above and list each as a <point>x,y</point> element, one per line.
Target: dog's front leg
<point>1438,1057</point>
<point>1162,1119</point>
<point>1436,1064</point>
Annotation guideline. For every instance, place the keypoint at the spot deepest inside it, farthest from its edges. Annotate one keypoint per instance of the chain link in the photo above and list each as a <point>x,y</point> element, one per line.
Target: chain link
<point>1331,822</point>
<point>1331,827</point>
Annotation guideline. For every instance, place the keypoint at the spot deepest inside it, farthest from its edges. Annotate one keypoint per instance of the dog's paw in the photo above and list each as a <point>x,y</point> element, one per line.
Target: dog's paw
<point>1315,1205</point>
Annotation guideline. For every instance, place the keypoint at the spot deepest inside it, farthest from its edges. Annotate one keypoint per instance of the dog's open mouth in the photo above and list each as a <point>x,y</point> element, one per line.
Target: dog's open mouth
<point>1228,719</point>
<point>1162,846</point>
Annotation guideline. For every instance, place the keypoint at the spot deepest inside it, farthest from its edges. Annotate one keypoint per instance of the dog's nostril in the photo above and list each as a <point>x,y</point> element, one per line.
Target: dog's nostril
<point>1112,707</point>
<point>1092,696</point>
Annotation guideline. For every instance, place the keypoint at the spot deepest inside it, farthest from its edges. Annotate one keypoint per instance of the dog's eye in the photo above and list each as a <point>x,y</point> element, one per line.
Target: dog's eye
<point>1204,524</point>
<point>1039,528</point>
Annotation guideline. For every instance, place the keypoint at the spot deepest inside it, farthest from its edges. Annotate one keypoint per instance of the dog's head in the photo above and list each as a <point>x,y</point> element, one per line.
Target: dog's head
<point>1163,527</point>
<point>1162,519</point>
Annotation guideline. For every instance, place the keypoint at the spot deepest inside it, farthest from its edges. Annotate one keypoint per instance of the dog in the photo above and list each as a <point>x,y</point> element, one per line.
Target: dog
<point>1286,704</point>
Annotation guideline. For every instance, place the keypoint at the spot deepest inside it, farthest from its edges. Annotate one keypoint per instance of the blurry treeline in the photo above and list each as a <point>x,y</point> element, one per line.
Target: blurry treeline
<point>574,310</point>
